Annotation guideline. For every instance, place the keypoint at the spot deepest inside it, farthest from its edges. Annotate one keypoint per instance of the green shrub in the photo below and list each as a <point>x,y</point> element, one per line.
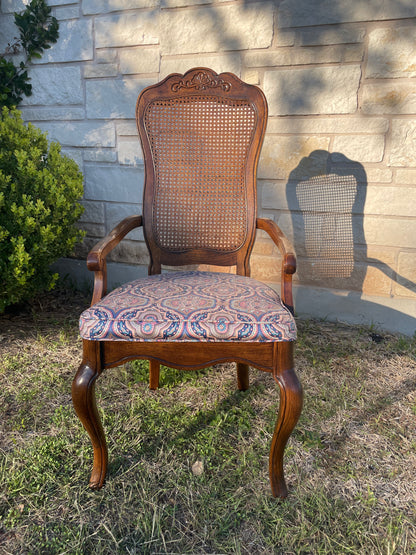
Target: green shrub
<point>39,194</point>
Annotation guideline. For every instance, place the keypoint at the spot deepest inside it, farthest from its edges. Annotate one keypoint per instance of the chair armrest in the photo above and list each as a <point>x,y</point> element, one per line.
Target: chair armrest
<point>96,259</point>
<point>281,241</point>
<point>289,258</point>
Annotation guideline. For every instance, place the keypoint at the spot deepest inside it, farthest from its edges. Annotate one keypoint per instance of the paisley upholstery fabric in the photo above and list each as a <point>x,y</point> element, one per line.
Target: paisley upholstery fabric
<point>190,306</point>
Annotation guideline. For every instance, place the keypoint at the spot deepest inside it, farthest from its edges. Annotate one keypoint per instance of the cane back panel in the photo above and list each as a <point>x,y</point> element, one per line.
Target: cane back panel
<point>201,135</point>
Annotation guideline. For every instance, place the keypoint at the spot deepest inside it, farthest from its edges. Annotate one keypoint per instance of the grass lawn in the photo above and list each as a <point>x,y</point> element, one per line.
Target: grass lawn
<point>350,464</point>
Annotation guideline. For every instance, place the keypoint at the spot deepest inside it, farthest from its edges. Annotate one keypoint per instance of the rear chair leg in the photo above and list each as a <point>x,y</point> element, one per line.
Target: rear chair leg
<point>291,400</point>
<point>83,398</point>
<point>154,372</point>
<point>242,376</point>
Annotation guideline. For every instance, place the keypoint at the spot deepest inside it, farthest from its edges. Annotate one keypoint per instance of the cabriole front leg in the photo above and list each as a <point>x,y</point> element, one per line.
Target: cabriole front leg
<point>291,400</point>
<point>83,398</point>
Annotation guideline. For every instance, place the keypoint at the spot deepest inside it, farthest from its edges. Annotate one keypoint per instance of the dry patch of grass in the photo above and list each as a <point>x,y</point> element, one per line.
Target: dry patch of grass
<point>350,462</point>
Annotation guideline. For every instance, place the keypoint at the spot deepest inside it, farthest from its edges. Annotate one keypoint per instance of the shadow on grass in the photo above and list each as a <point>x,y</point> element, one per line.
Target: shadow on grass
<point>210,435</point>
<point>361,417</point>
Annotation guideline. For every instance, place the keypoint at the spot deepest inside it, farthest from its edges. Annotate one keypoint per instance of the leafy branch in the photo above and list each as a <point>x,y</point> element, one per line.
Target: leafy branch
<point>38,30</point>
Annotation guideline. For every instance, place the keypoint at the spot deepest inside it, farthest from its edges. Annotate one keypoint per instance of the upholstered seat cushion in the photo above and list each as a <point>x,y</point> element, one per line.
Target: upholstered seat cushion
<point>190,306</point>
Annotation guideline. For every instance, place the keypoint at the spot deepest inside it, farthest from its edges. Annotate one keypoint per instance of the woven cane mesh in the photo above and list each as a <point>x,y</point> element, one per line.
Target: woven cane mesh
<point>200,146</point>
<point>326,204</point>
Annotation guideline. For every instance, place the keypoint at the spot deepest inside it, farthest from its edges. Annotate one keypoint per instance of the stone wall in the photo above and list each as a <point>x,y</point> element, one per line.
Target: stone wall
<point>338,166</point>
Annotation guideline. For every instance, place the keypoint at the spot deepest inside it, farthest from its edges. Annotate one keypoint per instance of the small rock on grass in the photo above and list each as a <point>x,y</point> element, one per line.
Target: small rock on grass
<point>198,468</point>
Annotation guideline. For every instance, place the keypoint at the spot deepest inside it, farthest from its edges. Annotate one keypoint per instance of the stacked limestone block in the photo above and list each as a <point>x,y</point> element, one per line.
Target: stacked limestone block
<point>340,80</point>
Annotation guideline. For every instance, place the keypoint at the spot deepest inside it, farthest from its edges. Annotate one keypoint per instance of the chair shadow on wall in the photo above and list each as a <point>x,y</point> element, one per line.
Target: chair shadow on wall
<point>326,196</point>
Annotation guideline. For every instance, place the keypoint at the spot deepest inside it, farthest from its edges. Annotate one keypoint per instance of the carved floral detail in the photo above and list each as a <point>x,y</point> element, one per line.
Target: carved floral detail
<point>201,81</point>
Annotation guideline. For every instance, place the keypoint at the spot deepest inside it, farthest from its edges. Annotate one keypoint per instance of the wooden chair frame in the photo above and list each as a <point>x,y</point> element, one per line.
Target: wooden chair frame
<point>272,357</point>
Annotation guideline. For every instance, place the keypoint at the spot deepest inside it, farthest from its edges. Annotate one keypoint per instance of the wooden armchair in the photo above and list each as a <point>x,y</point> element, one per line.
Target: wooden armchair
<point>201,135</point>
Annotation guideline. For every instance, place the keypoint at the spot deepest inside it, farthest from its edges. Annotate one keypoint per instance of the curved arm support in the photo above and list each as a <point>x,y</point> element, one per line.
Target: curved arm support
<point>288,254</point>
<point>96,260</point>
